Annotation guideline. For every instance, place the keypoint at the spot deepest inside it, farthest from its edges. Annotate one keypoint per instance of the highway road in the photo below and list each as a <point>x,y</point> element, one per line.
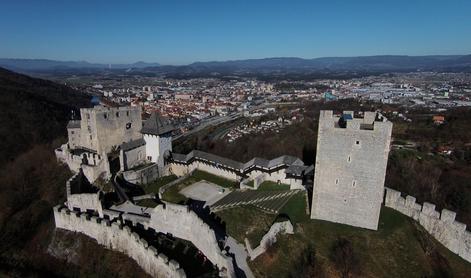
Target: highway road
<point>215,121</point>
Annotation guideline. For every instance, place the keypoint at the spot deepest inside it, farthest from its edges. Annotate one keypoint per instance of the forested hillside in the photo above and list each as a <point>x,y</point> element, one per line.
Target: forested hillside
<point>33,114</point>
<point>33,111</point>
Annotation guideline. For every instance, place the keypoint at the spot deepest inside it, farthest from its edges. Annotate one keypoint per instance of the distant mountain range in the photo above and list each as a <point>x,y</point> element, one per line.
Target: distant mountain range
<point>44,65</point>
<point>384,63</point>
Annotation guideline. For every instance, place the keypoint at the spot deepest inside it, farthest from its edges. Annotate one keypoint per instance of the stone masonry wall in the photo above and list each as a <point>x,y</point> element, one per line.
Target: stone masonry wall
<point>442,226</point>
<point>182,222</point>
<point>142,176</point>
<point>120,238</point>
<point>82,201</point>
<point>181,169</point>
<point>269,238</point>
<point>280,175</point>
<point>350,170</point>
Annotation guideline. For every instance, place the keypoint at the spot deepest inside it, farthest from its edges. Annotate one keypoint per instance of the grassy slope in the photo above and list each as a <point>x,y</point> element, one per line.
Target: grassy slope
<point>270,185</point>
<point>395,250</point>
<point>392,251</point>
<point>251,223</point>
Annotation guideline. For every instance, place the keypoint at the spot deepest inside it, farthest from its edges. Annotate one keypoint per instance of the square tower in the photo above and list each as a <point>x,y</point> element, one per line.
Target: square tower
<point>157,132</point>
<point>351,160</point>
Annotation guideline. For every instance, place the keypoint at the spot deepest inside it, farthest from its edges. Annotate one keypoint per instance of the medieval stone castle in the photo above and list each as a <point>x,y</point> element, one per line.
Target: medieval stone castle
<point>110,144</point>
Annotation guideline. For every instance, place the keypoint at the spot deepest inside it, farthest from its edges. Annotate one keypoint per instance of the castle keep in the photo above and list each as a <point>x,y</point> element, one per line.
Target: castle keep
<point>351,159</point>
<point>104,133</point>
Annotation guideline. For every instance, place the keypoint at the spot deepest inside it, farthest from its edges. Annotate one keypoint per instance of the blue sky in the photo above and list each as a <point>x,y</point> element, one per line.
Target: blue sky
<point>180,32</point>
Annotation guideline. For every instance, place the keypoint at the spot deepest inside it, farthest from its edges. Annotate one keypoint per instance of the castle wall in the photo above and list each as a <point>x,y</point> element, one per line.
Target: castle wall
<point>77,200</point>
<point>178,169</point>
<point>269,238</point>
<point>74,137</point>
<point>119,238</point>
<point>103,128</point>
<point>181,169</point>
<point>350,171</point>
<point>142,176</point>
<point>96,166</point>
<point>182,222</point>
<point>93,172</point>
<point>442,226</point>
<point>165,144</point>
<point>84,202</point>
<point>132,158</point>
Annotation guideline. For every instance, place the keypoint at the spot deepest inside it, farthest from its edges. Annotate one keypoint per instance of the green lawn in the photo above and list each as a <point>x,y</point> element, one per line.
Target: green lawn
<point>295,208</point>
<point>202,175</point>
<point>150,203</point>
<point>271,185</point>
<point>154,186</point>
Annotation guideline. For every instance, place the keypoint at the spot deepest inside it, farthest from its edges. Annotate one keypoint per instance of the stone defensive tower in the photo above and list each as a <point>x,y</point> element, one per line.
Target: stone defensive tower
<point>352,155</point>
<point>157,133</point>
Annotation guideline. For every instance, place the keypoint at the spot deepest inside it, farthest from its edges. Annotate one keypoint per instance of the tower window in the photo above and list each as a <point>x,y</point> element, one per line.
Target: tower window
<point>128,125</point>
<point>349,159</point>
<point>117,114</point>
<point>357,142</point>
<point>354,183</point>
<point>105,116</point>
<point>336,181</point>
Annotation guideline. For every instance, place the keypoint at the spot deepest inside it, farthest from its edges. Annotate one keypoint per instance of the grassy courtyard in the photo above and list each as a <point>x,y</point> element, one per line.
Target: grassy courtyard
<point>173,193</point>
<point>154,186</point>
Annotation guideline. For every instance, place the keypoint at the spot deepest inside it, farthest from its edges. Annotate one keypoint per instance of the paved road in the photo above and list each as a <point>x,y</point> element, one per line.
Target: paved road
<point>221,120</point>
<point>240,255</point>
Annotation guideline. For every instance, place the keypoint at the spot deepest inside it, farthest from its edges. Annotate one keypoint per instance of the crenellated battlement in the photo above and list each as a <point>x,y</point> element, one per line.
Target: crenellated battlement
<point>441,225</point>
<point>118,237</point>
<point>182,222</point>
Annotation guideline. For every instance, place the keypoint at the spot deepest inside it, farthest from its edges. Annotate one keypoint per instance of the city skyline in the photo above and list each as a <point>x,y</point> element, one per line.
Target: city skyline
<point>185,32</point>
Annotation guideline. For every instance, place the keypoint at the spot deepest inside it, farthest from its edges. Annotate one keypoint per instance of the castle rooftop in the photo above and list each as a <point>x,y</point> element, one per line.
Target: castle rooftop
<point>157,125</point>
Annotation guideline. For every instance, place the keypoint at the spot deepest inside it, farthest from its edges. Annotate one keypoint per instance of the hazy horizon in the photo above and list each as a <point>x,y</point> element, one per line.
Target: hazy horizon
<point>228,60</point>
<point>183,32</point>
